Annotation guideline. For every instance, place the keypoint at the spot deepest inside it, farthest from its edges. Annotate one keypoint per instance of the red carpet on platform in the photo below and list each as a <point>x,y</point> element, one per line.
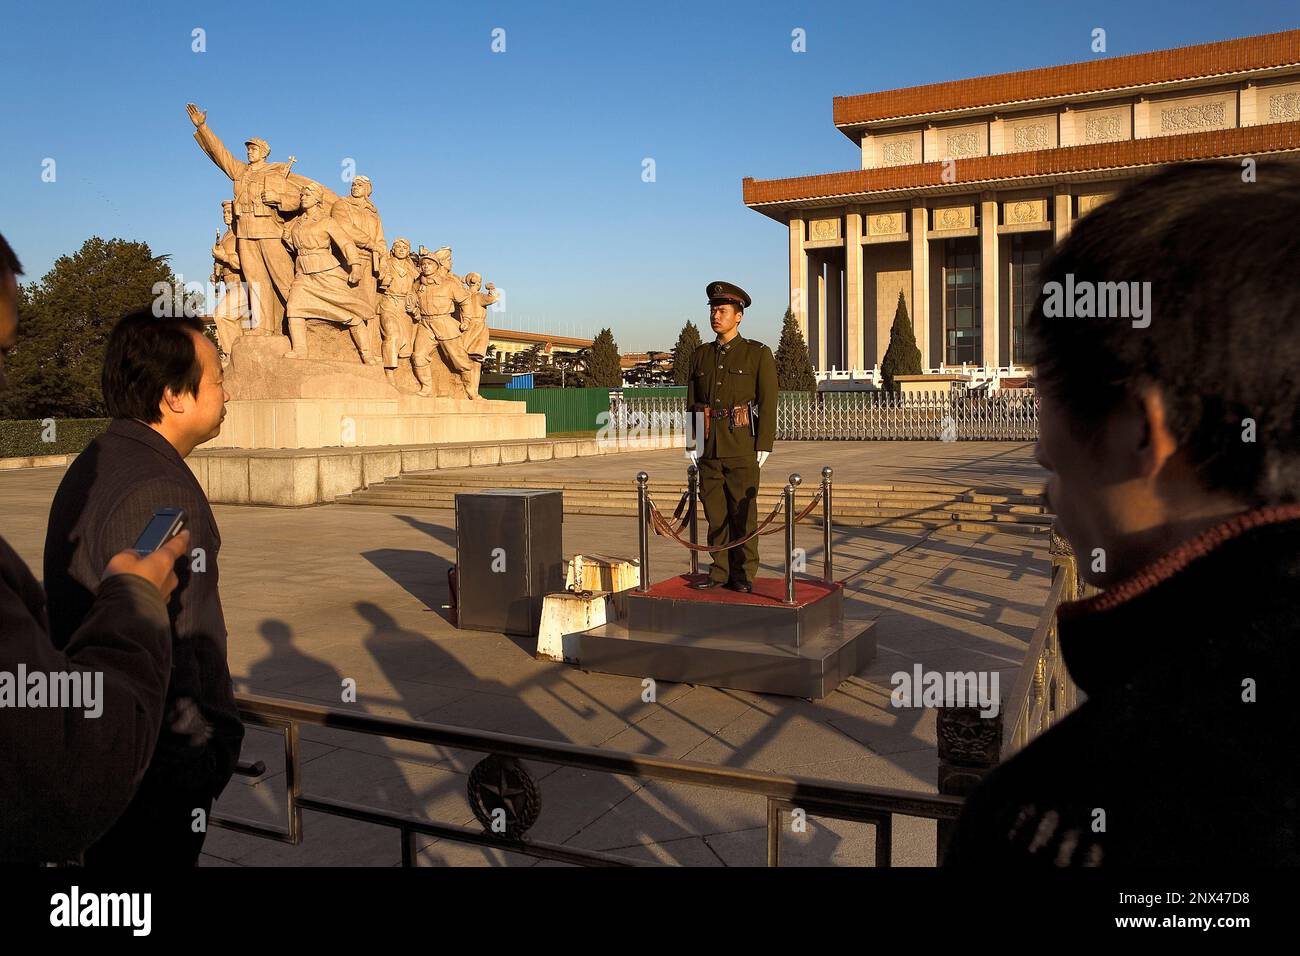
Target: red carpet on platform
<point>766,591</point>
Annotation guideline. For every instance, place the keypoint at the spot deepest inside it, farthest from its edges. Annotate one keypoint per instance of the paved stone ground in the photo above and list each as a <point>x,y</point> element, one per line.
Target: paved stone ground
<point>316,595</point>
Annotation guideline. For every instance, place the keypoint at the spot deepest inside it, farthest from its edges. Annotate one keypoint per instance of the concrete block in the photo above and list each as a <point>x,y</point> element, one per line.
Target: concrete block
<point>564,449</point>
<point>35,461</point>
<point>485,455</point>
<point>339,474</point>
<point>454,457</point>
<point>541,451</point>
<point>602,572</point>
<point>564,617</point>
<point>285,481</point>
<point>199,465</point>
<point>377,466</point>
<point>419,459</point>
<point>514,453</point>
<point>228,480</point>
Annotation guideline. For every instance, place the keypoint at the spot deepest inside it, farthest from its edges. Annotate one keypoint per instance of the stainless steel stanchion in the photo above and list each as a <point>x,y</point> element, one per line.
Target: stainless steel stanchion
<point>643,514</point>
<point>828,572</point>
<point>794,482</point>
<point>692,489</point>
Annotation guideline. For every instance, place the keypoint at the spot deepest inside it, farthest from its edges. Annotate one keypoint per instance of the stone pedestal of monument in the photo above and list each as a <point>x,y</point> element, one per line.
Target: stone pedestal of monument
<point>331,400</point>
<point>302,431</point>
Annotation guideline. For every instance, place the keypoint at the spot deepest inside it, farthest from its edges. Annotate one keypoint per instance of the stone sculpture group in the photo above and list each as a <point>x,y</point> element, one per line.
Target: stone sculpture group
<point>294,252</point>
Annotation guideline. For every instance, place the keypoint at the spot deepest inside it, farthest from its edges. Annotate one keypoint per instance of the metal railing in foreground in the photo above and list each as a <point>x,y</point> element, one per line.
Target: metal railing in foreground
<point>971,744</point>
<point>506,801</point>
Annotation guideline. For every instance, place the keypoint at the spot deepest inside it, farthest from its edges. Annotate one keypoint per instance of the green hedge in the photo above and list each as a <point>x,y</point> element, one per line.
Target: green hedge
<point>566,409</point>
<point>21,438</point>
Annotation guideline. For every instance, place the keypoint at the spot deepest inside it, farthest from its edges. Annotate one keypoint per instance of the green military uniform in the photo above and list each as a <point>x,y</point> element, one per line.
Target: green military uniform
<point>722,377</point>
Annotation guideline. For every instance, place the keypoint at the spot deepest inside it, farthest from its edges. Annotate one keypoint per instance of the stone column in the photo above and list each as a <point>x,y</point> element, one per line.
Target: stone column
<point>1248,106</point>
<point>1066,131</point>
<point>834,312</point>
<point>1142,118</point>
<point>1062,202</point>
<point>997,136</point>
<point>798,276</point>
<point>853,352</point>
<point>990,279</point>
<point>921,281</point>
<point>817,305</point>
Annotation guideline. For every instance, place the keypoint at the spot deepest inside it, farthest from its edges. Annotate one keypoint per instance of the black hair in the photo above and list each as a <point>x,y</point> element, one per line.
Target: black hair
<point>145,356</point>
<point>1217,243</point>
<point>9,263</point>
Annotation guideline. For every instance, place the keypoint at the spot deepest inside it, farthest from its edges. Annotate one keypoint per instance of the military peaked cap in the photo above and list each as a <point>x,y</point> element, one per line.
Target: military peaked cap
<point>724,293</point>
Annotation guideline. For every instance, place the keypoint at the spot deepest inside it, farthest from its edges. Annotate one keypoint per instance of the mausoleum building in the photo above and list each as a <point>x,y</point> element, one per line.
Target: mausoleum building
<point>965,185</point>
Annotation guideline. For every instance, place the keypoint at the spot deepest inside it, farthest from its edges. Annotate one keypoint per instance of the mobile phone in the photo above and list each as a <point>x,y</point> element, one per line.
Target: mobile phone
<point>165,524</point>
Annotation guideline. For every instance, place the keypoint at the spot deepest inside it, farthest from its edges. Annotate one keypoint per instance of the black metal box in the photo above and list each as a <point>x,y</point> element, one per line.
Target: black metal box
<point>509,556</point>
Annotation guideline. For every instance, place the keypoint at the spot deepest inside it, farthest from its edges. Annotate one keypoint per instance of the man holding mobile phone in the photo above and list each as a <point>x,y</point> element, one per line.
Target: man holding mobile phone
<point>163,386</point>
<point>65,778</point>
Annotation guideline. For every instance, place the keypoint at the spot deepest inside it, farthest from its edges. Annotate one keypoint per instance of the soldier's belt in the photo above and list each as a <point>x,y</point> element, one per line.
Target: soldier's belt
<point>739,415</point>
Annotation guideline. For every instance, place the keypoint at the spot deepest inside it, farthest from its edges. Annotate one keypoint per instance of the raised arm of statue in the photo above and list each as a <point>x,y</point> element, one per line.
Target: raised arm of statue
<point>347,248</point>
<point>210,144</point>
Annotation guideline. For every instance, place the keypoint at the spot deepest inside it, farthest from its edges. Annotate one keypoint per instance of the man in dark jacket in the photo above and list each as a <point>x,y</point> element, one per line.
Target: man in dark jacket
<point>163,386</point>
<point>66,776</point>
<point>1170,428</point>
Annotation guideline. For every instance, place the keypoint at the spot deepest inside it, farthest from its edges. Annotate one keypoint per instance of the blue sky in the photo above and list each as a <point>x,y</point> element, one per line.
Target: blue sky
<point>527,162</point>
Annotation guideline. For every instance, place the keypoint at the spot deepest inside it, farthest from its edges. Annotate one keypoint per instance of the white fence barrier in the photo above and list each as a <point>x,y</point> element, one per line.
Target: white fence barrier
<point>982,375</point>
<point>1008,415</point>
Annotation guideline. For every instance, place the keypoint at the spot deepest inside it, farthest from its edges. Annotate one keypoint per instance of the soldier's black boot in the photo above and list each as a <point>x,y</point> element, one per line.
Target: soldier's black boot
<point>706,584</point>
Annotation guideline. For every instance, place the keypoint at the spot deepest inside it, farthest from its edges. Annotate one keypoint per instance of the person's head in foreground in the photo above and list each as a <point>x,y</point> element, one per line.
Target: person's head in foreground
<point>1171,433</point>
<point>10,270</point>
<point>166,373</point>
<point>1185,410</point>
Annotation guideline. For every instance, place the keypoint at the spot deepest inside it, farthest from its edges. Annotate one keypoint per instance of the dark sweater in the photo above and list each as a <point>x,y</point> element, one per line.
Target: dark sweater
<point>1166,753</point>
<point>103,503</point>
<point>65,777</point>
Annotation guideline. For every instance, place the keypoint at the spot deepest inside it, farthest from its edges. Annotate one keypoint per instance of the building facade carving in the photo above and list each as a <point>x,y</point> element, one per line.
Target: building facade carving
<point>1284,106</point>
<point>1031,137</point>
<point>1024,211</point>
<point>885,224</point>
<point>1102,129</point>
<point>959,145</point>
<point>896,153</point>
<point>954,217</point>
<point>1184,119</point>
<point>1090,202</point>
<point>824,229</point>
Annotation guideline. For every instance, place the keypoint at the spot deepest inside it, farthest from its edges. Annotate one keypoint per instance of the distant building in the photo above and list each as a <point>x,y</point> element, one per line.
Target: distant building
<point>508,343</point>
<point>640,369</point>
<point>633,359</point>
<point>965,185</point>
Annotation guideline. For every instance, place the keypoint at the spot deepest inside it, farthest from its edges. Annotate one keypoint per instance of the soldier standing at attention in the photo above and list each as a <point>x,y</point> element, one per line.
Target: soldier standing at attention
<point>731,395</point>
